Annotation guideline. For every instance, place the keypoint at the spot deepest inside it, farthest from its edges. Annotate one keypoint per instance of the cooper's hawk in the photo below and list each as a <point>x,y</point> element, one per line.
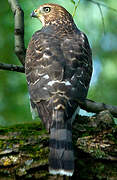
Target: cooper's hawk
<point>58,71</point>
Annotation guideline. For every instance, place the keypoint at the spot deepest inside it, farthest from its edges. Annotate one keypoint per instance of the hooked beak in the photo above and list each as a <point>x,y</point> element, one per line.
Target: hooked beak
<point>34,14</point>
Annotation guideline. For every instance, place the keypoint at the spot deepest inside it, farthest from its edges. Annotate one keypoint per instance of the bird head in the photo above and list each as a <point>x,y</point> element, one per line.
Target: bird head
<point>51,14</point>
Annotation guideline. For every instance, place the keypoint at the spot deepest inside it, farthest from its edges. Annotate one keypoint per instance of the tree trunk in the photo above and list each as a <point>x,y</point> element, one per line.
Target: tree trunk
<point>24,150</point>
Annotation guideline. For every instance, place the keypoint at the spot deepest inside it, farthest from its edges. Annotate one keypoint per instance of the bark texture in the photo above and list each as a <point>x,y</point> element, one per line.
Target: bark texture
<point>24,150</point>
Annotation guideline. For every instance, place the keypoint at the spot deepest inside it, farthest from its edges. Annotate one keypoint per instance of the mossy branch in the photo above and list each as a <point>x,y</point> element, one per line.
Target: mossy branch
<point>24,150</point>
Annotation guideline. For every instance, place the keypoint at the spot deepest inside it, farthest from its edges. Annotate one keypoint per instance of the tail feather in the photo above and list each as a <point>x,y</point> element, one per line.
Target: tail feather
<point>61,157</point>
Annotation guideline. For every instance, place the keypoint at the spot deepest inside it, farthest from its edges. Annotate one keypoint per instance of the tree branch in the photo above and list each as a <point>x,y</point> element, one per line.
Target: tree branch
<point>24,150</point>
<point>12,67</point>
<point>19,30</point>
<point>96,107</point>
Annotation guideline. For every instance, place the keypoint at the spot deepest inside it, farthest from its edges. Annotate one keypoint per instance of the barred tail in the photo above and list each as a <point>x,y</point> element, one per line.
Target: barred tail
<point>61,157</point>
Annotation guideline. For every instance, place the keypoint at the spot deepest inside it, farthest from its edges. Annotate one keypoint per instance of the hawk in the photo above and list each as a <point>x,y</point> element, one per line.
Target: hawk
<point>58,69</point>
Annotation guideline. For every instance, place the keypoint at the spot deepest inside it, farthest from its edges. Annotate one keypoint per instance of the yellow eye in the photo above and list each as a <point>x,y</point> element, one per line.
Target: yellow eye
<point>47,9</point>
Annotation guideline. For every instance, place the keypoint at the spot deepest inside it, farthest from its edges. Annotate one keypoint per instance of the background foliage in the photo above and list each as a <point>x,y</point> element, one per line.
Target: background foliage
<point>14,103</point>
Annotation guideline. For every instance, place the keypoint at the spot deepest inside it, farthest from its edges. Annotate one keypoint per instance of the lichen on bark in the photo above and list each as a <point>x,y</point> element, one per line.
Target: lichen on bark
<point>24,149</point>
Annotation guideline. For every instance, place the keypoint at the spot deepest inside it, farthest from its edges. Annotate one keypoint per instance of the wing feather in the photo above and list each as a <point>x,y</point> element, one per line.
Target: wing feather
<point>58,67</point>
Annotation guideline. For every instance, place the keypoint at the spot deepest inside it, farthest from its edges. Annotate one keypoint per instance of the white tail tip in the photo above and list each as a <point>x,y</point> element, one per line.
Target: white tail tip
<point>61,172</point>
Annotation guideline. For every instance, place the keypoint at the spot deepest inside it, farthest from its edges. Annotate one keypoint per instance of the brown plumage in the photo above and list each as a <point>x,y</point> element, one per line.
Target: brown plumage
<point>58,71</point>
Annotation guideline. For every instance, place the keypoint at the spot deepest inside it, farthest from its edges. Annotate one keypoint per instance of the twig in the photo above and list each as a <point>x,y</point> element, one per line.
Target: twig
<point>19,30</point>
<point>102,4</point>
<point>101,16</point>
<point>12,67</point>
<point>95,107</point>
<point>75,7</point>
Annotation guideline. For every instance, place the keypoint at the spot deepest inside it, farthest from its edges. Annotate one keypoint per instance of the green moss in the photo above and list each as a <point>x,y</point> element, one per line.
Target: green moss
<point>99,154</point>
